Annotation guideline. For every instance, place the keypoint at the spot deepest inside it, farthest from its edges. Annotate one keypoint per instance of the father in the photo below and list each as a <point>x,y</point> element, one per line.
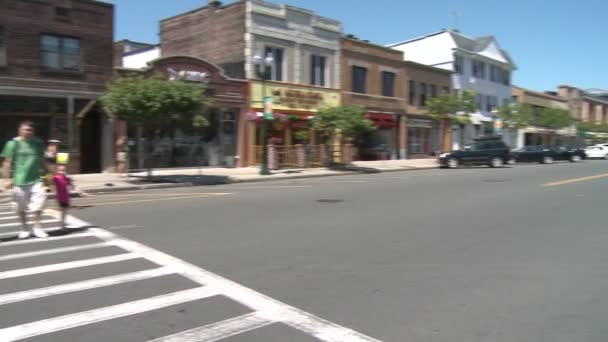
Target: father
<point>22,169</point>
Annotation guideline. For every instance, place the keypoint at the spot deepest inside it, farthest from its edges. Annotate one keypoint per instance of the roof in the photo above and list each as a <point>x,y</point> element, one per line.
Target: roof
<point>239,2</point>
<point>428,67</point>
<point>541,94</point>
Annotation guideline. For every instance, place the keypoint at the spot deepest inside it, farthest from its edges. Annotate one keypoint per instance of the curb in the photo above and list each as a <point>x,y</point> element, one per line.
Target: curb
<point>238,181</point>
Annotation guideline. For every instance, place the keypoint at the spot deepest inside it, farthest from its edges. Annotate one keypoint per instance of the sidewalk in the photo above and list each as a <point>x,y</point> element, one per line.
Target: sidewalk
<point>167,178</point>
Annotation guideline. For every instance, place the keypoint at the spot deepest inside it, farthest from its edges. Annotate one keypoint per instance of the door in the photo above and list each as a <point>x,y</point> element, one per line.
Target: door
<point>476,153</point>
<point>90,143</point>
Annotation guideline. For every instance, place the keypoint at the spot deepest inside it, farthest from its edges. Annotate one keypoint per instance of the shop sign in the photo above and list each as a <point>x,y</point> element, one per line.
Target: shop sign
<point>419,123</point>
<point>294,97</point>
<point>268,108</point>
<point>187,75</point>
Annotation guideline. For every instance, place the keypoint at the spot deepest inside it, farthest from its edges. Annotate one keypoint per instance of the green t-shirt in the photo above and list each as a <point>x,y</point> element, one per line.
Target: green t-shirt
<point>26,156</point>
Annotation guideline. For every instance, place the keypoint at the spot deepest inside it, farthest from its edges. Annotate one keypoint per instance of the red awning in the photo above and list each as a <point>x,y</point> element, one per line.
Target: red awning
<point>383,120</point>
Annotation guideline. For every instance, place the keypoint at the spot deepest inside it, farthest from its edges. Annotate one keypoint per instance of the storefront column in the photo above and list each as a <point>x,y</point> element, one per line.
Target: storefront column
<point>71,123</point>
<point>251,139</point>
<point>107,147</point>
<point>446,135</point>
<point>402,137</point>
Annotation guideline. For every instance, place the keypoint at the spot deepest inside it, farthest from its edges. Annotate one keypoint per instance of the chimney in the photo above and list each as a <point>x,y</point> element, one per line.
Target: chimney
<point>215,4</point>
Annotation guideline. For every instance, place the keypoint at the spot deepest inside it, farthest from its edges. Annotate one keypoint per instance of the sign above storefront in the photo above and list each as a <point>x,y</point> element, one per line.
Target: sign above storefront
<point>294,97</point>
<point>187,75</point>
<point>419,123</point>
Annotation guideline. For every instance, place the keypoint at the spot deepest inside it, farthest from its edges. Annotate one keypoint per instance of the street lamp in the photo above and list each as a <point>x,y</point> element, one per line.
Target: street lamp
<point>263,71</point>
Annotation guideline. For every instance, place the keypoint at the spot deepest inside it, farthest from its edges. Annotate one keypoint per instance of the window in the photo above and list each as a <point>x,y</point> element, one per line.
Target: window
<point>317,70</point>
<point>506,77</point>
<point>62,13</point>
<point>445,90</point>
<point>2,46</point>
<point>277,63</point>
<point>412,92</point>
<point>479,69</point>
<point>388,84</point>
<point>422,94</point>
<point>359,78</point>
<point>458,64</point>
<point>60,53</point>
<point>479,101</point>
<point>491,103</point>
<point>433,90</point>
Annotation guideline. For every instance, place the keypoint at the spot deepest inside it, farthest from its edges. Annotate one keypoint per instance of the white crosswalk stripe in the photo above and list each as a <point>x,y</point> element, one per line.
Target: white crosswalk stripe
<point>265,311</point>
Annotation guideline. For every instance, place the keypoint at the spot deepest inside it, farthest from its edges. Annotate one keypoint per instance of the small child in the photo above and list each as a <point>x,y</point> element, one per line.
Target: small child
<point>63,184</point>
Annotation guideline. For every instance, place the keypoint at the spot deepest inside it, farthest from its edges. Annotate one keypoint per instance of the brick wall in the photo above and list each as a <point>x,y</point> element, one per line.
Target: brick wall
<point>375,59</point>
<point>216,35</point>
<point>24,22</point>
<point>424,74</point>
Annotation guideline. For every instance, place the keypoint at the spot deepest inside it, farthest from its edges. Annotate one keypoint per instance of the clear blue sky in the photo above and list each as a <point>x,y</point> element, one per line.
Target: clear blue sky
<point>552,41</point>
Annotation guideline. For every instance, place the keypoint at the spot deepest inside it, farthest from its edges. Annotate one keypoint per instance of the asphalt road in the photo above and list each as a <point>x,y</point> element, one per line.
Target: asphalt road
<point>476,254</point>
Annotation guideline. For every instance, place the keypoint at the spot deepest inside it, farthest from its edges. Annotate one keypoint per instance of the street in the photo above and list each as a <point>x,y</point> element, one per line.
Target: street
<point>512,254</point>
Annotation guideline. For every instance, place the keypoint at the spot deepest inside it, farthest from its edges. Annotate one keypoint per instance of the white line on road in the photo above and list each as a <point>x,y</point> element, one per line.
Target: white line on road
<point>13,217</point>
<point>220,330</point>
<point>50,325</point>
<point>14,233</point>
<point>54,251</point>
<point>323,329</point>
<point>83,285</point>
<point>50,239</point>
<point>66,266</point>
<point>19,223</point>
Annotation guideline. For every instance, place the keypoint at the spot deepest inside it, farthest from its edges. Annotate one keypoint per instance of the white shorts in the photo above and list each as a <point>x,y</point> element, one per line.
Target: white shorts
<point>29,197</point>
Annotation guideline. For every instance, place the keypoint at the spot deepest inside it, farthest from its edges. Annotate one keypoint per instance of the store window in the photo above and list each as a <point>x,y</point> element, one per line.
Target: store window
<point>60,53</point>
<point>359,79</point>
<point>418,140</point>
<point>277,63</point>
<point>388,84</point>
<point>317,70</point>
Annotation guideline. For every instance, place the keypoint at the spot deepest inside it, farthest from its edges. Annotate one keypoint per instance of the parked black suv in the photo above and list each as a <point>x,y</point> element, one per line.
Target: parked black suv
<point>490,151</point>
<point>546,155</point>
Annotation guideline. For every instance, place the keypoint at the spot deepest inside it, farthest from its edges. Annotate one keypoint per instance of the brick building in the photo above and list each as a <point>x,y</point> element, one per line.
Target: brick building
<point>305,51</point>
<point>374,77</point>
<point>55,58</point>
<point>394,93</point>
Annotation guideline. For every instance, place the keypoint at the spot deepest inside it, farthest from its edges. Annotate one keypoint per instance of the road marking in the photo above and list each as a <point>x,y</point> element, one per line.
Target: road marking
<point>50,325</point>
<point>67,265</point>
<point>18,223</point>
<point>14,233</point>
<point>220,330</point>
<point>55,251</point>
<point>273,187</point>
<point>84,285</point>
<point>313,325</point>
<point>150,200</point>
<point>13,217</point>
<point>58,238</point>
<point>155,194</point>
<point>575,180</point>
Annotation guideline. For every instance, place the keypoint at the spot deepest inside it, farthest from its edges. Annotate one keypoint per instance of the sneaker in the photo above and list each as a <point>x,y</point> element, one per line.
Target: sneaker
<point>39,233</point>
<point>24,235</point>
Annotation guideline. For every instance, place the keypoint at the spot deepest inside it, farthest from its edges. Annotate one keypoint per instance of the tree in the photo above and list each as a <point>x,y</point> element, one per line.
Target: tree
<point>457,106</point>
<point>156,102</point>
<point>348,120</point>
<point>554,118</point>
<point>516,115</point>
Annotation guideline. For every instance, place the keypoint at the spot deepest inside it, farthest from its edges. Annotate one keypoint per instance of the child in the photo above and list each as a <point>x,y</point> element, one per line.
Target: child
<point>63,184</point>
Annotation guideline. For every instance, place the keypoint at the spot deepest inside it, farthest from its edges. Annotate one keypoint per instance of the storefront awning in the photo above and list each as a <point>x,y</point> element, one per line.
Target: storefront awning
<point>383,120</point>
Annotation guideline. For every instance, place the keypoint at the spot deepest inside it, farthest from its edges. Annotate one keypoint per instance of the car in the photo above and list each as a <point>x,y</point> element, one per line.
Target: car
<point>570,153</point>
<point>490,151</point>
<point>546,155</point>
<point>597,152</point>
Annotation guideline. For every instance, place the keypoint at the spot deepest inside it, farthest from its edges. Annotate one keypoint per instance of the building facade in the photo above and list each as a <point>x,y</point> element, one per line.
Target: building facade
<point>373,77</point>
<point>55,58</point>
<point>424,136</point>
<point>535,135</point>
<point>180,144</point>
<point>304,48</point>
<point>478,64</point>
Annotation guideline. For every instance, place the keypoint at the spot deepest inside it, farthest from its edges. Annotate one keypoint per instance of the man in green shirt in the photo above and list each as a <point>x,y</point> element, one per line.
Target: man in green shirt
<point>22,168</point>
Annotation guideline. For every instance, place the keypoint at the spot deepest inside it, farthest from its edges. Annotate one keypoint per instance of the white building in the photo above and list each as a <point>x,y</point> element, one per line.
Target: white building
<point>479,65</point>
